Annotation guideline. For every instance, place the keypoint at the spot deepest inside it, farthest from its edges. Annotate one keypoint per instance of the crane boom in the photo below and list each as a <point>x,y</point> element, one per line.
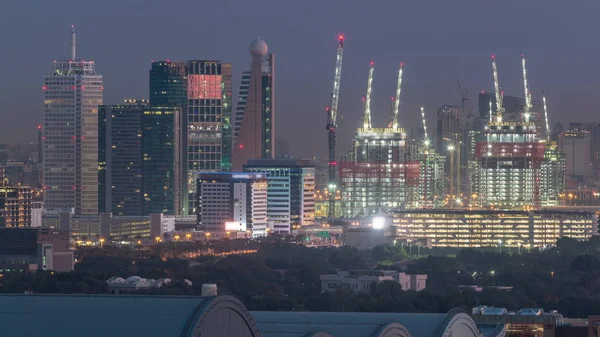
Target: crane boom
<point>367,117</point>
<point>527,109</point>
<point>331,126</point>
<point>546,116</point>
<point>397,100</point>
<point>499,98</point>
<point>426,140</point>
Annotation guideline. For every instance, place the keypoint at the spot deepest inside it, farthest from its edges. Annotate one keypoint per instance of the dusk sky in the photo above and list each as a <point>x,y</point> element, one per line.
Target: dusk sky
<point>558,37</point>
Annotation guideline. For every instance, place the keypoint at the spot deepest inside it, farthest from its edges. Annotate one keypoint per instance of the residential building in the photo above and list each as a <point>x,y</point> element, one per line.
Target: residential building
<point>290,193</point>
<point>363,280</point>
<point>256,138</point>
<point>72,94</point>
<point>35,249</point>
<point>207,125</point>
<point>168,83</point>
<point>491,228</point>
<point>232,203</point>
<point>138,156</point>
<point>15,206</point>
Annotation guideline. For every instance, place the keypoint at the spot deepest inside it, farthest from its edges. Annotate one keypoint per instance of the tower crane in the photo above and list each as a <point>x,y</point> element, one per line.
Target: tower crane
<point>332,125</point>
<point>397,100</point>
<point>426,140</point>
<point>499,95</point>
<point>367,117</point>
<point>527,110</point>
<point>546,116</point>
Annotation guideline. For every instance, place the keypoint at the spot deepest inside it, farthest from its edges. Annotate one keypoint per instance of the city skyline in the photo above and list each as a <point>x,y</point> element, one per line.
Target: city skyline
<point>429,53</point>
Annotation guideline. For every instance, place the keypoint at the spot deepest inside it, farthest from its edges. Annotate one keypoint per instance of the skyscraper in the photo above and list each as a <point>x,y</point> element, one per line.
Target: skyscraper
<point>575,144</point>
<point>256,139</point>
<point>168,83</point>
<point>207,121</point>
<point>138,159</point>
<point>72,94</point>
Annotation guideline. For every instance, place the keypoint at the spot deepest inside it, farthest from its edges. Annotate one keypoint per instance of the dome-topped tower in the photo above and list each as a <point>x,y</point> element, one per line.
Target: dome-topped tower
<point>258,47</point>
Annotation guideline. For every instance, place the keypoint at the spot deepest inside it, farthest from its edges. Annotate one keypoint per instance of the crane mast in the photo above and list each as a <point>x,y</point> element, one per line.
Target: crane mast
<point>367,117</point>
<point>499,95</point>
<point>527,110</point>
<point>332,125</point>
<point>397,100</point>
<point>546,117</point>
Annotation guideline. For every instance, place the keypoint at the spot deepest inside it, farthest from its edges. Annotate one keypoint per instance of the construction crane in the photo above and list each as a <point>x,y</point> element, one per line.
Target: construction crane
<point>546,116</point>
<point>397,100</point>
<point>332,125</point>
<point>463,92</point>
<point>527,109</point>
<point>426,140</point>
<point>499,95</point>
<point>367,117</point>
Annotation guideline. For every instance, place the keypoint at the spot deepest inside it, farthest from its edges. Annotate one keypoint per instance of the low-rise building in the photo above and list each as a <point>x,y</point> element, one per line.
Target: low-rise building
<point>119,285</point>
<point>361,280</point>
<point>35,249</point>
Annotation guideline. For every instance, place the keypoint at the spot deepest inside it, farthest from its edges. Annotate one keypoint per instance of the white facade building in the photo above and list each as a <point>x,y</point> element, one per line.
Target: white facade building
<point>72,94</point>
<point>290,194</point>
<point>232,202</point>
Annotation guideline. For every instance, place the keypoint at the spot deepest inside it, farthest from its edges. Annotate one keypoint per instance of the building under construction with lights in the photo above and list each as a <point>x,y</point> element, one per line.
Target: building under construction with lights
<point>514,168</point>
<point>374,175</point>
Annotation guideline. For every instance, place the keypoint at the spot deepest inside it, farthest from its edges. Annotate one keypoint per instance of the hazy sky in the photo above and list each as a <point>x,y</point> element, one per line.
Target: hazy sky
<point>558,37</point>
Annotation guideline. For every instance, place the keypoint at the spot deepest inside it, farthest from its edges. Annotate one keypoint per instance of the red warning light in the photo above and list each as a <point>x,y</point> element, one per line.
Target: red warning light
<point>45,87</point>
<point>74,187</point>
<point>341,37</point>
<point>363,99</point>
<point>493,56</point>
<point>402,64</point>
<point>482,91</point>
<point>392,98</point>
<point>73,137</point>
<point>372,63</point>
<point>39,127</point>
<point>241,146</point>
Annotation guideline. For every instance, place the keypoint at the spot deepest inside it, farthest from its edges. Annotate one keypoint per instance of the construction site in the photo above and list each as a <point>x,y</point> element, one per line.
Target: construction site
<point>504,164</point>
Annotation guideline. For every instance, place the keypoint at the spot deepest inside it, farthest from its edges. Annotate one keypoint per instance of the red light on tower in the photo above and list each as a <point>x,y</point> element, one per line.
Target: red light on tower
<point>341,37</point>
<point>493,56</point>
<point>241,146</point>
<point>402,64</point>
<point>372,63</point>
<point>39,127</point>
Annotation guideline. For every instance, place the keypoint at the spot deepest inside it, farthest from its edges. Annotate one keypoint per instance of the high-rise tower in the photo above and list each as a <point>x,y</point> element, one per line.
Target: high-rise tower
<point>256,139</point>
<point>72,93</point>
<point>168,83</point>
<point>206,125</point>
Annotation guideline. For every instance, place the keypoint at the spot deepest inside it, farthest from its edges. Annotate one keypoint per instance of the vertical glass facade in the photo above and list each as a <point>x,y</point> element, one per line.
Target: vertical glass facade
<point>208,123</point>
<point>168,83</point>
<point>72,94</point>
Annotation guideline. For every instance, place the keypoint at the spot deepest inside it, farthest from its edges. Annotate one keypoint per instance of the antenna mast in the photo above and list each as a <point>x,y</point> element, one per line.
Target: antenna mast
<point>397,101</point>
<point>527,110</point>
<point>499,95</point>
<point>367,117</point>
<point>332,125</point>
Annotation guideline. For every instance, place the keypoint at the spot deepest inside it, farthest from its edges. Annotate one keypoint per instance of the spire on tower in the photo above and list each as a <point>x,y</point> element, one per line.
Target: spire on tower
<point>73,44</point>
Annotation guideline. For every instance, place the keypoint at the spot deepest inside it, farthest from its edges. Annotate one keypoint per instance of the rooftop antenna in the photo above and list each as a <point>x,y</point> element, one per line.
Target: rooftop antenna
<point>73,43</point>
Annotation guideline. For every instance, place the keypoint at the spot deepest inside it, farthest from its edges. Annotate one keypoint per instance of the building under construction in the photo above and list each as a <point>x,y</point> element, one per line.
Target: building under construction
<point>375,175</point>
<point>515,169</point>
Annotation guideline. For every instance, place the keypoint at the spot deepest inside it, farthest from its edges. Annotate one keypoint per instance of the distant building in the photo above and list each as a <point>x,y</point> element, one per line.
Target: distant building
<point>575,143</point>
<point>290,194</point>
<point>448,127</point>
<point>34,249</point>
<point>232,203</point>
<point>362,280</point>
<point>594,129</point>
<point>240,106</point>
<point>256,136</point>
<point>121,229</point>
<point>485,228</point>
<point>72,94</point>
<point>168,83</point>
<point>139,159</point>
<point>15,206</point>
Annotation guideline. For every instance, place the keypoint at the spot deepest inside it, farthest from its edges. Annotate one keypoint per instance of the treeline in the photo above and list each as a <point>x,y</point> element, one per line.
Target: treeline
<point>284,275</point>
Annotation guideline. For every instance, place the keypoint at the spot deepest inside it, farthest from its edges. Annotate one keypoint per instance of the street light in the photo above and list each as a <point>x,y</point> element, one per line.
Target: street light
<point>176,237</point>
<point>188,236</point>
<point>207,236</point>
<point>101,242</point>
<point>157,239</point>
